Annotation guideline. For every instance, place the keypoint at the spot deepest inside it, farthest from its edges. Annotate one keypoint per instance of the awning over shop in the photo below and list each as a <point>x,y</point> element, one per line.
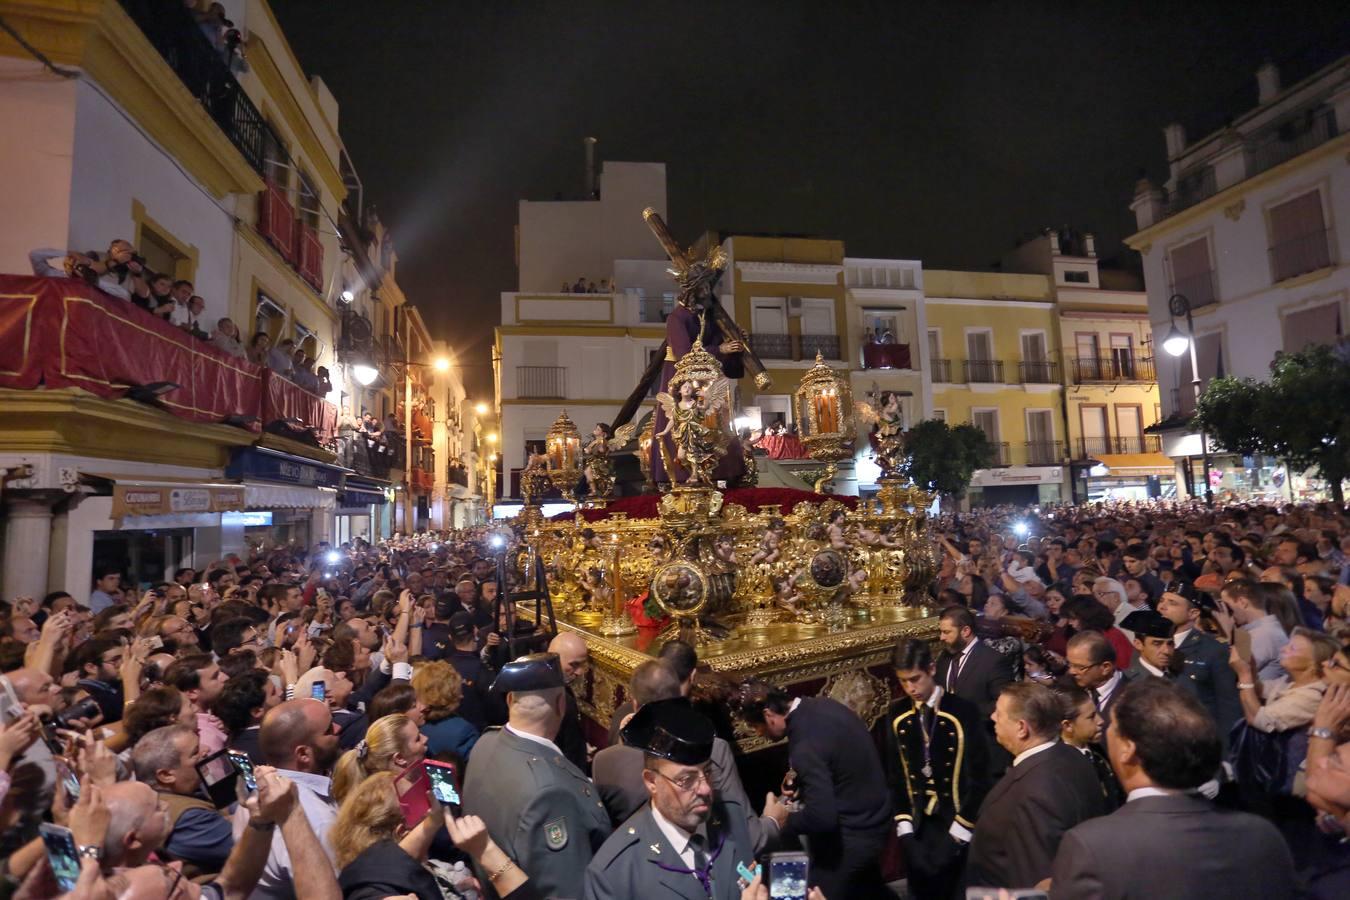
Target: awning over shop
<point>358,491</point>
<point>1135,465</point>
<point>277,496</point>
<point>136,495</point>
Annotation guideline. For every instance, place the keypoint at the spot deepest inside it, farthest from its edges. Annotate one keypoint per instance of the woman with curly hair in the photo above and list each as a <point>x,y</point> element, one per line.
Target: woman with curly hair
<point>440,690</point>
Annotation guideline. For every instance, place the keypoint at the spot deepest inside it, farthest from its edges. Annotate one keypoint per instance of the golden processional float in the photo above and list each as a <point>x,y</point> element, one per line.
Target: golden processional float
<point>805,590</point>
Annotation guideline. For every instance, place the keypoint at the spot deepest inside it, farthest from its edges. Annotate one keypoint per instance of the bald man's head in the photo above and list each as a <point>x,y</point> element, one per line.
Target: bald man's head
<point>34,686</point>
<point>137,823</point>
<point>299,735</point>
<point>572,654</point>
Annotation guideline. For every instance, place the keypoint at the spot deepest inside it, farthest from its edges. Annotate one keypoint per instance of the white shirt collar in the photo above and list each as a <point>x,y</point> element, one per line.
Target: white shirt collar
<point>792,708</point>
<point>1180,636</point>
<point>965,651</point>
<point>936,697</point>
<point>319,784</point>
<point>1149,668</point>
<point>1140,793</point>
<point>677,837</point>
<point>534,737</point>
<point>1032,751</point>
<point>1104,691</point>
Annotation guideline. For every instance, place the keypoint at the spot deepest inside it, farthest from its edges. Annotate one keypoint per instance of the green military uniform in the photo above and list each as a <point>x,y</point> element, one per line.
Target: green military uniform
<point>538,807</point>
<point>638,862</point>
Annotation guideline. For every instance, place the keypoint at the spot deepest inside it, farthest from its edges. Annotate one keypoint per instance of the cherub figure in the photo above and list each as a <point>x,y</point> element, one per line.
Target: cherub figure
<point>691,422</point>
<point>595,456</point>
<point>769,545</point>
<point>724,548</point>
<point>834,529</point>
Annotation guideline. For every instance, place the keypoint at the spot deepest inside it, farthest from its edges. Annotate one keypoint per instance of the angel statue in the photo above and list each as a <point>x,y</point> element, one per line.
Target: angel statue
<point>693,423</point>
<point>887,420</point>
<point>595,458</point>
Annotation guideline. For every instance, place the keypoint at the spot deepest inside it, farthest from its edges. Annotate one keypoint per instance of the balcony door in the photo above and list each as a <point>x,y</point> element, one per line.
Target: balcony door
<point>1035,362</point>
<point>1129,429</point>
<point>1087,349</point>
<point>1095,433</point>
<point>980,356</point>
<point>768,317</point>
<point>1041,437</point>
<point>987,421</point>
<point>1122,356</point>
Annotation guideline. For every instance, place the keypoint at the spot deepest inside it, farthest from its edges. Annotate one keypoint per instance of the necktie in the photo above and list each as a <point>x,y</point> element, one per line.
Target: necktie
<point>698,844</point>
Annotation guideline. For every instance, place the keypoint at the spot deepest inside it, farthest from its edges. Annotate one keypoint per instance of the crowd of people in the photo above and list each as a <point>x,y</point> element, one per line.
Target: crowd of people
<point>582,286</point>
<point>1137,700</point>
<point>122,273</point>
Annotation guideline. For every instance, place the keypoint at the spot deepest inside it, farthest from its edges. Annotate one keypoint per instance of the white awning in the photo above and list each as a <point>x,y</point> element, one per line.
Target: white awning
<point>280,496</point>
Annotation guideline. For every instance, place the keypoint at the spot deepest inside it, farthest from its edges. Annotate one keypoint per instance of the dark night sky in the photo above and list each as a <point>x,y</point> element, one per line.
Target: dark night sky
<point>936,131</point>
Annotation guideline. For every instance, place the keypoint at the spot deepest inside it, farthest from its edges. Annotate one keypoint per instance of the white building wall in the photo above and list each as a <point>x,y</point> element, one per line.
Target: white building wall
<point>35,150</point>
<point>1249,308</point>
<point>114,164</point>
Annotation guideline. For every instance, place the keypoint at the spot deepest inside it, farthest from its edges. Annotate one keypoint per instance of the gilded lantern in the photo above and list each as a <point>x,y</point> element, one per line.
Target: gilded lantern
<point>824,408</point>
<point>563,449</point>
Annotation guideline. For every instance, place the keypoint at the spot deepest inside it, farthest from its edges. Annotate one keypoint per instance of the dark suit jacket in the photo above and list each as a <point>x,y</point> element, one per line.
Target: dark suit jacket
<point>981,678</point>
<point>1105,709</point>
<point>617,774</point>
<point>1174,846</point>
<point>840,780</point>
<point>571,739</point>
<point>1207,675</point>
<point>1026,814</point>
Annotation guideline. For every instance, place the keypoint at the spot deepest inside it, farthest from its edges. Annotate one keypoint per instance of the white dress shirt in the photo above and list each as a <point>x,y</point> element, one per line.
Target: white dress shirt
<point>277,881</point>
<point>678,838</point>
<point>537,739</point>
<point>1032,751</point>
<point>1105,691</point>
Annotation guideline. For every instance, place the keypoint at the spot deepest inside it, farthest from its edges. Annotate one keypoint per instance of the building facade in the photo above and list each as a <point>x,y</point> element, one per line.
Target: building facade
<point>222,170</point>
<point>1246,229</point>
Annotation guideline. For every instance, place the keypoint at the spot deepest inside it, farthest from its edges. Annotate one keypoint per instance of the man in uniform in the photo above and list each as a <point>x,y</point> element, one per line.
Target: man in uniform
<point>1205,671</point>
<point>537,806</point>
<point>686,841</point>
<point>1153,641</point>
<point>845,804</point>
<point>938,767</point>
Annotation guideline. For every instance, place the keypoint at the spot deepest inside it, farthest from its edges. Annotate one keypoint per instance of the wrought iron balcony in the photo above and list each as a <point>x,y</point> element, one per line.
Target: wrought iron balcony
<point>827,345</point>
<point>940,370</point>
<point>772,346</point>
<point>1115,369</point>
<point>1090,447</point>
<point>983,371</point>
<point>1039,371</point>
<point>1043,453</point>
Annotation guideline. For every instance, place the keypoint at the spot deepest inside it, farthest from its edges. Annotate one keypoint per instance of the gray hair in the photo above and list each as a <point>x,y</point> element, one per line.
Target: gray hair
<point>158,750</point>
<point>126,815</point>
<point>1112,585</point>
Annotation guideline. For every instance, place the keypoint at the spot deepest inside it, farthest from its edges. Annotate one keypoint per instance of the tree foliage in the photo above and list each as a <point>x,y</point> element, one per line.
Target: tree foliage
<point>943,458</point>
<point>1301,415</point>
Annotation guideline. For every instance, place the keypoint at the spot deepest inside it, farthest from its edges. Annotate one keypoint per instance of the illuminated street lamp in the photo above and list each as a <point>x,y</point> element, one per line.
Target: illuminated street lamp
<point>441,364</point>
<point>1177,343</point>
<point>481,409</point>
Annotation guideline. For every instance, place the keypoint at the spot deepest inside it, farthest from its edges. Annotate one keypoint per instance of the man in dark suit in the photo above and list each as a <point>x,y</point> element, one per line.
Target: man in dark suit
<point>574,656</point>
<point>937,764</point>
<point>845,806</point>
<point>968,667</point>
<point>1205,671</point>
<point>1050,788</point>
<point>1166,841</point>
<point>1092,664</point>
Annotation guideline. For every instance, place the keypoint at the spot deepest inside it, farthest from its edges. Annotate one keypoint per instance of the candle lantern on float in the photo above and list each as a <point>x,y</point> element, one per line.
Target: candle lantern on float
<point>563,449</point>
<point>824,410</point>
<point>645,455</point>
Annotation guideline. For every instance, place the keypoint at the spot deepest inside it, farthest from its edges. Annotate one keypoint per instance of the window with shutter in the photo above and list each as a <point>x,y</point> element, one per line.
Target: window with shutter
<point>1298,237</point>
<point>1192,273</point>
<point>1319,325</point>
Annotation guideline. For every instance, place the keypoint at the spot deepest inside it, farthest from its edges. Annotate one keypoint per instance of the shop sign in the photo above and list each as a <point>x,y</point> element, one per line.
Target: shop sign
<point>138,500</point>
<point>251,463</point>
<point>1017,475</point>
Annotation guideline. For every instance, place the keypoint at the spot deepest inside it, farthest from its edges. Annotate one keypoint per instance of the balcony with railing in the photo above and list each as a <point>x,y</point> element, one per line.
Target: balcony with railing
<point>1090,447</point>
<point>771,346</point>
<point>1300,255</point>
<point>1043,453</point>
<point>541,382</point>
<point>1113,370</point>
<point>983,371</point>
<point>1038,371</point>
<point>940,370</point>
<point>1292,137</point>
<point>827,345</point>
<point>1002,455</point>
<point>1190,190</point>
<point>886,356</point>
<point>457,474</point>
